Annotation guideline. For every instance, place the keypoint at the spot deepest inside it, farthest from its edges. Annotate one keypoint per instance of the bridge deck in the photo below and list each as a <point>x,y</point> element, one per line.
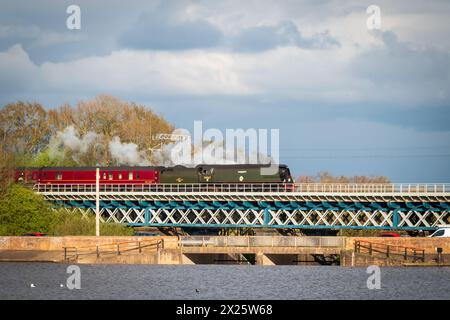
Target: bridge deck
<point>261,244</point>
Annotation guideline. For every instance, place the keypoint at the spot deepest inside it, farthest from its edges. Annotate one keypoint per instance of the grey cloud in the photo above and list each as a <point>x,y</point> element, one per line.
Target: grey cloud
<point>17,72</point>
<point>160,30</point>
<point>50,45</point>
<point>40,27</point>
<point>286,33</point>
<point>400,61</point>
<point>399,69</point>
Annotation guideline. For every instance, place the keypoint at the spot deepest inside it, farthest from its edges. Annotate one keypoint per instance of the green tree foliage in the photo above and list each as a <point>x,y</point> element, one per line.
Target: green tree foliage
<point>45,158</point>
<point>22,211</point>
<point>6,172</point>
<point>77,225</point>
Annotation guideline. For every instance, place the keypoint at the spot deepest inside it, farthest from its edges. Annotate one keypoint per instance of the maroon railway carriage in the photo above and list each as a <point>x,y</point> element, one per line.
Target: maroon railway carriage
<point>86,175</point>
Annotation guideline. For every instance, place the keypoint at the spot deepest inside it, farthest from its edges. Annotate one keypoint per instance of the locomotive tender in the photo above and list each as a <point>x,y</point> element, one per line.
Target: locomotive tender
<point>236,173</point>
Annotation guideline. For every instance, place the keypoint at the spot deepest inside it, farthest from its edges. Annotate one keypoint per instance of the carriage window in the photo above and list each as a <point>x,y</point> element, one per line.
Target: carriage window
<point>34,176</point>
<point>104,175</point>
<point>120,176</point>
<point>58,176</point>
<point>137,175</point>
<point>130,175</point>
<point>110,176</point>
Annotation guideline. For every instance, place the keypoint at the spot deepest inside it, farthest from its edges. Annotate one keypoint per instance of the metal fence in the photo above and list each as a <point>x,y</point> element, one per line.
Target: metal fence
<point>260,241</point>
<point>315,188</point>
<point>73,253</point>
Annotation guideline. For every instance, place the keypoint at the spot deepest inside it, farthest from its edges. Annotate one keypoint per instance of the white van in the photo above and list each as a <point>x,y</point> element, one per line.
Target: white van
<point>442,232</point>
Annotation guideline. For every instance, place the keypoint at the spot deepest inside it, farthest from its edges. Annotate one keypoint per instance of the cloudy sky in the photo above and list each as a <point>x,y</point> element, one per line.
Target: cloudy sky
<point>345,98</point>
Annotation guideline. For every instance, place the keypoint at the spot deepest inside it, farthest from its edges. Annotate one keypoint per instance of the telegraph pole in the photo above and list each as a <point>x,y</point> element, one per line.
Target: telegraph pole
<point>97,202</point>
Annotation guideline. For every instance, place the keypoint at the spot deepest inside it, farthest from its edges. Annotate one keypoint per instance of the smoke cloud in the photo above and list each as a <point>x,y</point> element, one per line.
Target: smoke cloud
<point>170,154</point>
<point>184,153</point>
<point>127,153</point>
<point>121,153</point>
<point>70,138</point>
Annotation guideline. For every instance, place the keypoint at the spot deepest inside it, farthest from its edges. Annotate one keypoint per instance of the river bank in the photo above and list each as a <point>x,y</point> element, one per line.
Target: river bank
<point>260,250</point>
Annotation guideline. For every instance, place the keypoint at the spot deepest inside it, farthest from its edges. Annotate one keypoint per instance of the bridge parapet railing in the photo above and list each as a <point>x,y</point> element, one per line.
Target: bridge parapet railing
<point>260,241</point>
<point>349,188</point>
<point>373,188</point>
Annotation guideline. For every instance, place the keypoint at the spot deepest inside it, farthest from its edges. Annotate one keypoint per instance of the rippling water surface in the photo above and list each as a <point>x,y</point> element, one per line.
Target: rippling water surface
<point>219,282</point>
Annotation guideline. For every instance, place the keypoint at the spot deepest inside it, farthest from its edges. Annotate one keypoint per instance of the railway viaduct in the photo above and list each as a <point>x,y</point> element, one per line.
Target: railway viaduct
<point>313,206</point>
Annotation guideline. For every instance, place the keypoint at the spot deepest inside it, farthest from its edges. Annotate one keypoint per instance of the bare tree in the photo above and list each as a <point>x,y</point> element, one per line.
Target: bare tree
<point>109,117</point>
<point>327,177</point>
<point>24,128</point>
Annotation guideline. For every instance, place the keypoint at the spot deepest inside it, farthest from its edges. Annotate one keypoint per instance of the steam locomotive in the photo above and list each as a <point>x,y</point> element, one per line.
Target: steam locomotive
<point>239,173</point>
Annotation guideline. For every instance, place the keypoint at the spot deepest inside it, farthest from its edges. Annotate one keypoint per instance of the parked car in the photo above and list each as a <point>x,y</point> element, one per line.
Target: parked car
<point>443,232</point>
<point>389,234</point>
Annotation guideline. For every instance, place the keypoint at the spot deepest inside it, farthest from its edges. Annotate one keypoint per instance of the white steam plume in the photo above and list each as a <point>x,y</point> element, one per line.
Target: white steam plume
<point>211,153</point>
<point>127,153</point>
<point>70,138</point>
<point>122,153</point>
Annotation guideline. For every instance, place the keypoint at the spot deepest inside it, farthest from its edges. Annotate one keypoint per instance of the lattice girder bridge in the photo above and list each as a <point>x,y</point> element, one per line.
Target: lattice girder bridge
<point>359,206</point>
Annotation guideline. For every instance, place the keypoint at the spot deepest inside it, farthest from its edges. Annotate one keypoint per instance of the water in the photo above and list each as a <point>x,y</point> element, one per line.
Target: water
<point>219,282</point>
